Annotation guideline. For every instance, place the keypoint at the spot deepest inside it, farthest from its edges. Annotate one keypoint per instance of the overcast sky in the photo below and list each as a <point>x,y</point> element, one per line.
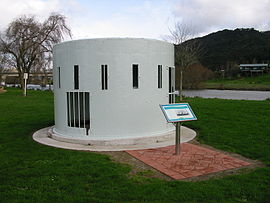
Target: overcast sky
<point>143,18</point>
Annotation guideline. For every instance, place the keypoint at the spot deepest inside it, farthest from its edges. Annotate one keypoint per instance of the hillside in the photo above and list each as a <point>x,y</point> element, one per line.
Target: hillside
<point>234,46</point>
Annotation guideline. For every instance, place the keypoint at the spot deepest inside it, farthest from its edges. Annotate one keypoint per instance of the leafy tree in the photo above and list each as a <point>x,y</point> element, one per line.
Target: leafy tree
<point>27,43</point>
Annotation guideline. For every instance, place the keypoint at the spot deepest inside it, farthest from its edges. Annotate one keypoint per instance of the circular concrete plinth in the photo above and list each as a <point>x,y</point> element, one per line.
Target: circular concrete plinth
<point>46,137</point>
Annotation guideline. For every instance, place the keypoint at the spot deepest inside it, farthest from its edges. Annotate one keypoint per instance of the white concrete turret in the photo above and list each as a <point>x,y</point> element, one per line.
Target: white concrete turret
<point>110,89</point>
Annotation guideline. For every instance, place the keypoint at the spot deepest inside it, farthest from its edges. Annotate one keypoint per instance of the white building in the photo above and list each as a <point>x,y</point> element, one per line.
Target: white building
<point>109,89</point>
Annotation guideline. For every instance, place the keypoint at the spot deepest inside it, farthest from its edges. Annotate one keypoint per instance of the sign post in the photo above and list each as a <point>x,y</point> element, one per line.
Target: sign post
<point>178,138</point>
<point>25,77</point>
<point>176,114</point>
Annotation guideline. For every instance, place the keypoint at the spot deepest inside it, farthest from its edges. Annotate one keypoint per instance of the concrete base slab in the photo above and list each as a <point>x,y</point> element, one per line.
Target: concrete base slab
<point>44,136</point>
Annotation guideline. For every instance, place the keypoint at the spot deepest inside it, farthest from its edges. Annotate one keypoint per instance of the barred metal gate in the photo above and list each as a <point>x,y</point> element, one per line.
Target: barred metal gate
<point>78,110</point>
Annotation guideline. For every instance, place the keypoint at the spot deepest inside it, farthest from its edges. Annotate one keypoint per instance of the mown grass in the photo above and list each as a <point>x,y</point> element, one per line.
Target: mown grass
<point>246,83</point>
<point>30,172</point>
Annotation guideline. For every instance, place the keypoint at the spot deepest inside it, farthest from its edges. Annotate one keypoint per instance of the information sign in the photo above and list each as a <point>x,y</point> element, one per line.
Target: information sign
<point>25,76</point>
<point>178,112</point>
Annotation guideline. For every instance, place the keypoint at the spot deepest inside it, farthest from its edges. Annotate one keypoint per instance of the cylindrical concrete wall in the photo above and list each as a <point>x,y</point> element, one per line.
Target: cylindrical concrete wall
<point>100,74</point>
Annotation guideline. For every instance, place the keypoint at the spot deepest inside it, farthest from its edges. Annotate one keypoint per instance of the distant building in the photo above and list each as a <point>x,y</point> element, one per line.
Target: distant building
<point>250,69</point>
<point>11,76</point>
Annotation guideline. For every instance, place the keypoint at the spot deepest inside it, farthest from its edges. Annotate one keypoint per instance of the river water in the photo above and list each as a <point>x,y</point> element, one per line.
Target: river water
<point>228,94</point>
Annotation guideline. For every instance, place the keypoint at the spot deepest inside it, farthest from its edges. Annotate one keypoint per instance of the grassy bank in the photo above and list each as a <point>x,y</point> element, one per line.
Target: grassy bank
<point>30,172</point>
<point>247,83</point>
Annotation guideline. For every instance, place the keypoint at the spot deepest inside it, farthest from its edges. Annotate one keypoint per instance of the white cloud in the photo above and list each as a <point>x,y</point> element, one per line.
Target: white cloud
<point>211,15</point>
<point>89,19</point>
<point>144,20</point>
<point>12,9</point>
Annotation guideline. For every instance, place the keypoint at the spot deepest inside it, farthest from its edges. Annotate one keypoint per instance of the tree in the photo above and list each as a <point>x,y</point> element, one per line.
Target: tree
<point>180,33</point>
<point>194,75</point>
<point>186,50</point>
<point>3,68</point>
<point>27,44</point>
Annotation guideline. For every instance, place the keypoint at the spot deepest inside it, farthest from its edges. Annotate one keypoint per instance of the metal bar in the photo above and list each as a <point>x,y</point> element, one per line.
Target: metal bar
<point>178,138</point>
<point>79,109</point>
<point>181,85</point>
<point>84,109</point>
<point>71,96</point>
<point>69,103</point>
<point>87,112</point>
<point>173,83</point>
<point>74,119</point>
<point>68,110</point>
<point>25,87</point>
<point>170,85</point>
<point>59,77</point>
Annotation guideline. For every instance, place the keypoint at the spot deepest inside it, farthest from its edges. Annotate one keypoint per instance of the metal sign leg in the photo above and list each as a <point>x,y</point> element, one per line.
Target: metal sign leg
<point>25,87</point>
<point>177,138</point>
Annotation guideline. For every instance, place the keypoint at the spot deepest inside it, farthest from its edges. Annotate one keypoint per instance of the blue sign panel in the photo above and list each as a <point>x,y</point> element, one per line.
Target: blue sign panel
<point>178,112</point>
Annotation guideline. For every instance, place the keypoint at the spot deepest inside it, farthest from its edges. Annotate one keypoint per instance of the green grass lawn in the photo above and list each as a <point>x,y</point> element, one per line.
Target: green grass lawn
<point>247,83</point>
<point>31,172</point>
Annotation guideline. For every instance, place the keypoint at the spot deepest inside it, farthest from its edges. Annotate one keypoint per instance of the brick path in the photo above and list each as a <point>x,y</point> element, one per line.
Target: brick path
<point>193,161</point>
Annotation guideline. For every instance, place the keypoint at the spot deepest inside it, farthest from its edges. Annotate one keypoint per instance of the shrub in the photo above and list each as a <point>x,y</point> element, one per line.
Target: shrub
<point>193,76</point>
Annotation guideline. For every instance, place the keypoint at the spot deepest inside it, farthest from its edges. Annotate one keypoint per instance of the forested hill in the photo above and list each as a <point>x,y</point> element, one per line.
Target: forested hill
<point>222,48</point>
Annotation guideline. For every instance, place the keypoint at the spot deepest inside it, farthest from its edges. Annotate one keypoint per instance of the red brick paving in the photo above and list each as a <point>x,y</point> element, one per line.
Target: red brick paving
<point>193,161</point>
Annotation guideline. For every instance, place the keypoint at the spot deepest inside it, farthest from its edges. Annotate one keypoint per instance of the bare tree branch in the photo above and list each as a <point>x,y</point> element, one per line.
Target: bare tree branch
<point>186,49</point>
<point>27,44</point>
<point>179,33</point>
